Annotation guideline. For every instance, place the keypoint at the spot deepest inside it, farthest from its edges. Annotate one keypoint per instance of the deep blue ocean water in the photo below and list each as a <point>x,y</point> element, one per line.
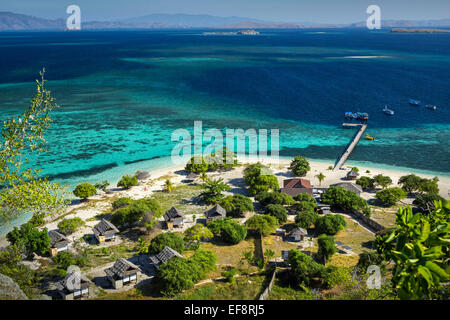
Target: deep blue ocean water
<point>123,93</point>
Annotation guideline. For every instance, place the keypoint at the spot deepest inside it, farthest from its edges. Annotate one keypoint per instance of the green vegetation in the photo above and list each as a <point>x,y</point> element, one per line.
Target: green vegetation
<point>299,166</point>
<point>103,185</point>
<point>366,183</point>
<point>419,248</point>
<point>121,202</point>
<point>168,186</point>
<point>382,181</point>
<point>173,240</point>
<point>330,224</point>
<point>23,189</point>
<point>304,268</point>
<point>426,201</point>
<point>259,178</point>
<point>68,226</point>
<point>278,211</point>
<point>127,181</point>
<point>320,177</point>
<point>265,198</point>
<point>368,258</point>
<point>180,274</point>
<point>302,206</point>
<point>196,164</point>
<point>262,224</point>
<point>29,239</point>
<point>327,247</point>
<point>213,190</point>
<point>340,198</point>
<point>306,219</point>
<point>135,211</point>
<point>228,230</point>
<point>412,183</point>
<point>230,275</point>
<point>84,190</point>
<point>66,259</point>
<point>304,197</point>
<point>236,205</point>
<point>195,234</point>
<point>221,160</point>
<point>390,196</point>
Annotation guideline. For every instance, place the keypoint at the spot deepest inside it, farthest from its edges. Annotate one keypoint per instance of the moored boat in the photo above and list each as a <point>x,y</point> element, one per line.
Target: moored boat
<point>388,111</point>
<point>414,102</point>
<point>369,137</point>
<point>431,107</point>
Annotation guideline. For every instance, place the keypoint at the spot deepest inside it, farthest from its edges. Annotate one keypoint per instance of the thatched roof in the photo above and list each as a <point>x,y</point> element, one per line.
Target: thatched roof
<point>165,255</point>
<point>216,211</point>
<point>298,232</point>
<point>105,227</point>
<point>121,268</point>
<point>68,282</point>
<point>172,214</point>
<point>142,175</point>
<point>349,186</point>
<point>57,239</point>
<point>352,174</point>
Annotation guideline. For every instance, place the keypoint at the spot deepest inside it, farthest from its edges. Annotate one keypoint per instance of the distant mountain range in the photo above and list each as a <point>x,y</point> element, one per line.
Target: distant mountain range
<point>12,21</point>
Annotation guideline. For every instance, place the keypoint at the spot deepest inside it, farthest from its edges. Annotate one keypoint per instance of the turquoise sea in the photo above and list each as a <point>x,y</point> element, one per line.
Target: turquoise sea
<point>123,93</point>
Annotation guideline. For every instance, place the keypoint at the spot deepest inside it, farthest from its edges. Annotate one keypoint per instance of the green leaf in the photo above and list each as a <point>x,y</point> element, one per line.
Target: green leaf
<point>425,231</point>
<point>437,270</point>
<point>425,273</point>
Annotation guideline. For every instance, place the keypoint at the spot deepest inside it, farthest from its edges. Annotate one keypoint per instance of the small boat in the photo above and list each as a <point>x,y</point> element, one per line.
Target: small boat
<point>431,107</point>
<point>350,115</point>
<point>388,111</point>
<point>368,137</point>
<point>414,102</point>
<point>362,116</point>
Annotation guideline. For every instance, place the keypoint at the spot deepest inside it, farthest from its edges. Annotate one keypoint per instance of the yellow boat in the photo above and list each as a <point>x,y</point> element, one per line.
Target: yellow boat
<point>368,137</point>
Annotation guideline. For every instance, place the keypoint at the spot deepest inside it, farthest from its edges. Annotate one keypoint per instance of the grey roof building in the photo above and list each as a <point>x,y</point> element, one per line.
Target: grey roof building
<point>215,212</point>
<point>105,230</point>
<point>122,272</point>
<point>352,175</point>
<point>191,177</point>
<point>298,234</point>
<point>165,255</point>
<point>142,175</point>
<point>349,186</point>
<point>173,217</point>
<point>58,242</point>
<point>74,286</point>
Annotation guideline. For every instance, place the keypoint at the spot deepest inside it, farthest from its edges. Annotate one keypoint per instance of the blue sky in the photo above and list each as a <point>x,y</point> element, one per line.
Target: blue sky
<point>326,11</point>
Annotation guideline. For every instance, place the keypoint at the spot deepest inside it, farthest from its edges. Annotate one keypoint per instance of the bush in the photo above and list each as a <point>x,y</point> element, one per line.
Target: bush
<point>390,196</point>
<point>366,183</point>
<point>102,185</point>
<point>258,178</point>
<point>30,239</point>
<point>304,197</point>
<point>169,239</point>
<point>228,230</point>
<point>304,267</point>
<point>192,166</point>
<point>236,205</point>
<point>127,181</point>
<point>262,224</point>
<point>367,258</point>
<point>335,276</point>
<point>68,226</point>
<point>213,190</point>
<point>340,198</point>
<point>305,219</point>
<point>382,181</point>
<point>121,202</point>
<point>425,202</point>
<point>84,190</point>
<point>330,224</point>
<point>135,211</point>
<point>327,247</point>
<point>266,198</point>
<point>64,259</point>
<point>230,274</point>
<point>180,274</point>
<point>197,233</point>
<point>299,166</point>
<point>304,206</point>
<point>277,211</point>
<point>412,183</point>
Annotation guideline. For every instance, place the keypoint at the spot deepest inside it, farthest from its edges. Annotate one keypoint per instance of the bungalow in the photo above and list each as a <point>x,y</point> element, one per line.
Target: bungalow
<point>105,231</point>
<point>123,272</point>
<point>352,175</point>
<point>142,175</point>
<point>174,218</point>
<point>295,186</point>
<point>74,286</point>
<point>349,186</point>
<point>165,255</point>
<point>58,243</point>
<point>298,234</point>
<point>215,212</point>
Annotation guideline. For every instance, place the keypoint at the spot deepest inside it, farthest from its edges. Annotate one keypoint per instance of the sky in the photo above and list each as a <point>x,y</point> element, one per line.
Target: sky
<point>318,11</point>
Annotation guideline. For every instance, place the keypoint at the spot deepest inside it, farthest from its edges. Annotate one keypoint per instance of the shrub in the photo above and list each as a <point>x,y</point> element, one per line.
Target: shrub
<point>236,205</point>
<point>299,166</point>
<point>258,178</point>
<point>64,259</point>
<point>277,211</point>
<point>102,185</point>
<point>335,276</point>
<point>135,211</point>
<point>382,181</point>
<point>425,202</point>
<point>192,166</point>
<point>304,206</point>
<point>330,224</point>
<point>390,196</point>
<point>30,239</point>
<point>121,202</point>
<point>366,183</point>
<point>304,197</point>
<point>266,198</point>
<point>327,247</point>
<point>367,258</point>
<point>127,181</point>
<point>262,224</point>
<point>230,275</point>
<point>304,267</point>
<point>84,190</point>
<point>305,219</point>
<point>228,230</point>
<point>197,233</point>
<point>340,198</point>
<point>213,190</point>
<point>170,239</point>
<point>68,226</point>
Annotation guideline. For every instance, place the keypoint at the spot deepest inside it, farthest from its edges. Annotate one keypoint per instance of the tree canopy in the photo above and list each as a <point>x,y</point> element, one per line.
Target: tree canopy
<point>265,198</point>
<point>330,224</point>
<point>127,181</point>
<point>30,239</point>
<point>262,224</point>
<point>259,178</point>
<point>228,230</point>
<point>327,247</point>
<point>170,239</point>
<point>390,196</point>
<point>340,198</point>
<point>278,211</point>
<point>84,190</point>
<point>213,190</point>
<point>299,166</point>
<point>236,205</point>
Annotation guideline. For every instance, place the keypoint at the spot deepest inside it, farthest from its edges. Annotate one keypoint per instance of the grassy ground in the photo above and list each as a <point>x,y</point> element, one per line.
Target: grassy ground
<point>385,216</point>
<point>355,236</point>
<point>183,197</point>
<point>101,256</point>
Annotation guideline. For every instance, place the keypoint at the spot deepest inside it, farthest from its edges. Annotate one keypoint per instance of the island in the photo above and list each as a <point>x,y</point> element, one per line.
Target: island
<point>405,30</point>
<point>226,33</point>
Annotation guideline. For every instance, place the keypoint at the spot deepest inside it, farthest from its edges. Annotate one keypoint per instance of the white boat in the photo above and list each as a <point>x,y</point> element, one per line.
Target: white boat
<point>388,111</point>
<point>431,107</point>
<point>414,102</point>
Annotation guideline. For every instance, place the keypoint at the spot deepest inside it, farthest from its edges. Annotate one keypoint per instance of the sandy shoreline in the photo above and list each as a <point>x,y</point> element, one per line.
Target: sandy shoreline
<point>176,174</point>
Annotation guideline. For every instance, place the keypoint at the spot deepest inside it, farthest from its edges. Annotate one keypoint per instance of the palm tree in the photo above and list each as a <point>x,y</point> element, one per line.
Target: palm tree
<point>141,248</point>
<point>168,186</point>
<point>203,176</point>
<point>320,177</point>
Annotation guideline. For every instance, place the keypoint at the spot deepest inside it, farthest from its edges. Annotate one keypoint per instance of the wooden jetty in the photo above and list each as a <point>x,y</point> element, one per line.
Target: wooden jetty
<point>349,149</point>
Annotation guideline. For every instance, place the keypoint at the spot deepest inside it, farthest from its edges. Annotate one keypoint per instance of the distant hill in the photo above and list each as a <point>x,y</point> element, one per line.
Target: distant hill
<point>10,21</point>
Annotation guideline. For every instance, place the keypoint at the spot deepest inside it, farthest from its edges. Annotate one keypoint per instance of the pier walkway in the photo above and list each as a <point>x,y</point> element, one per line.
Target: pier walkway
<point>348,150</point>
